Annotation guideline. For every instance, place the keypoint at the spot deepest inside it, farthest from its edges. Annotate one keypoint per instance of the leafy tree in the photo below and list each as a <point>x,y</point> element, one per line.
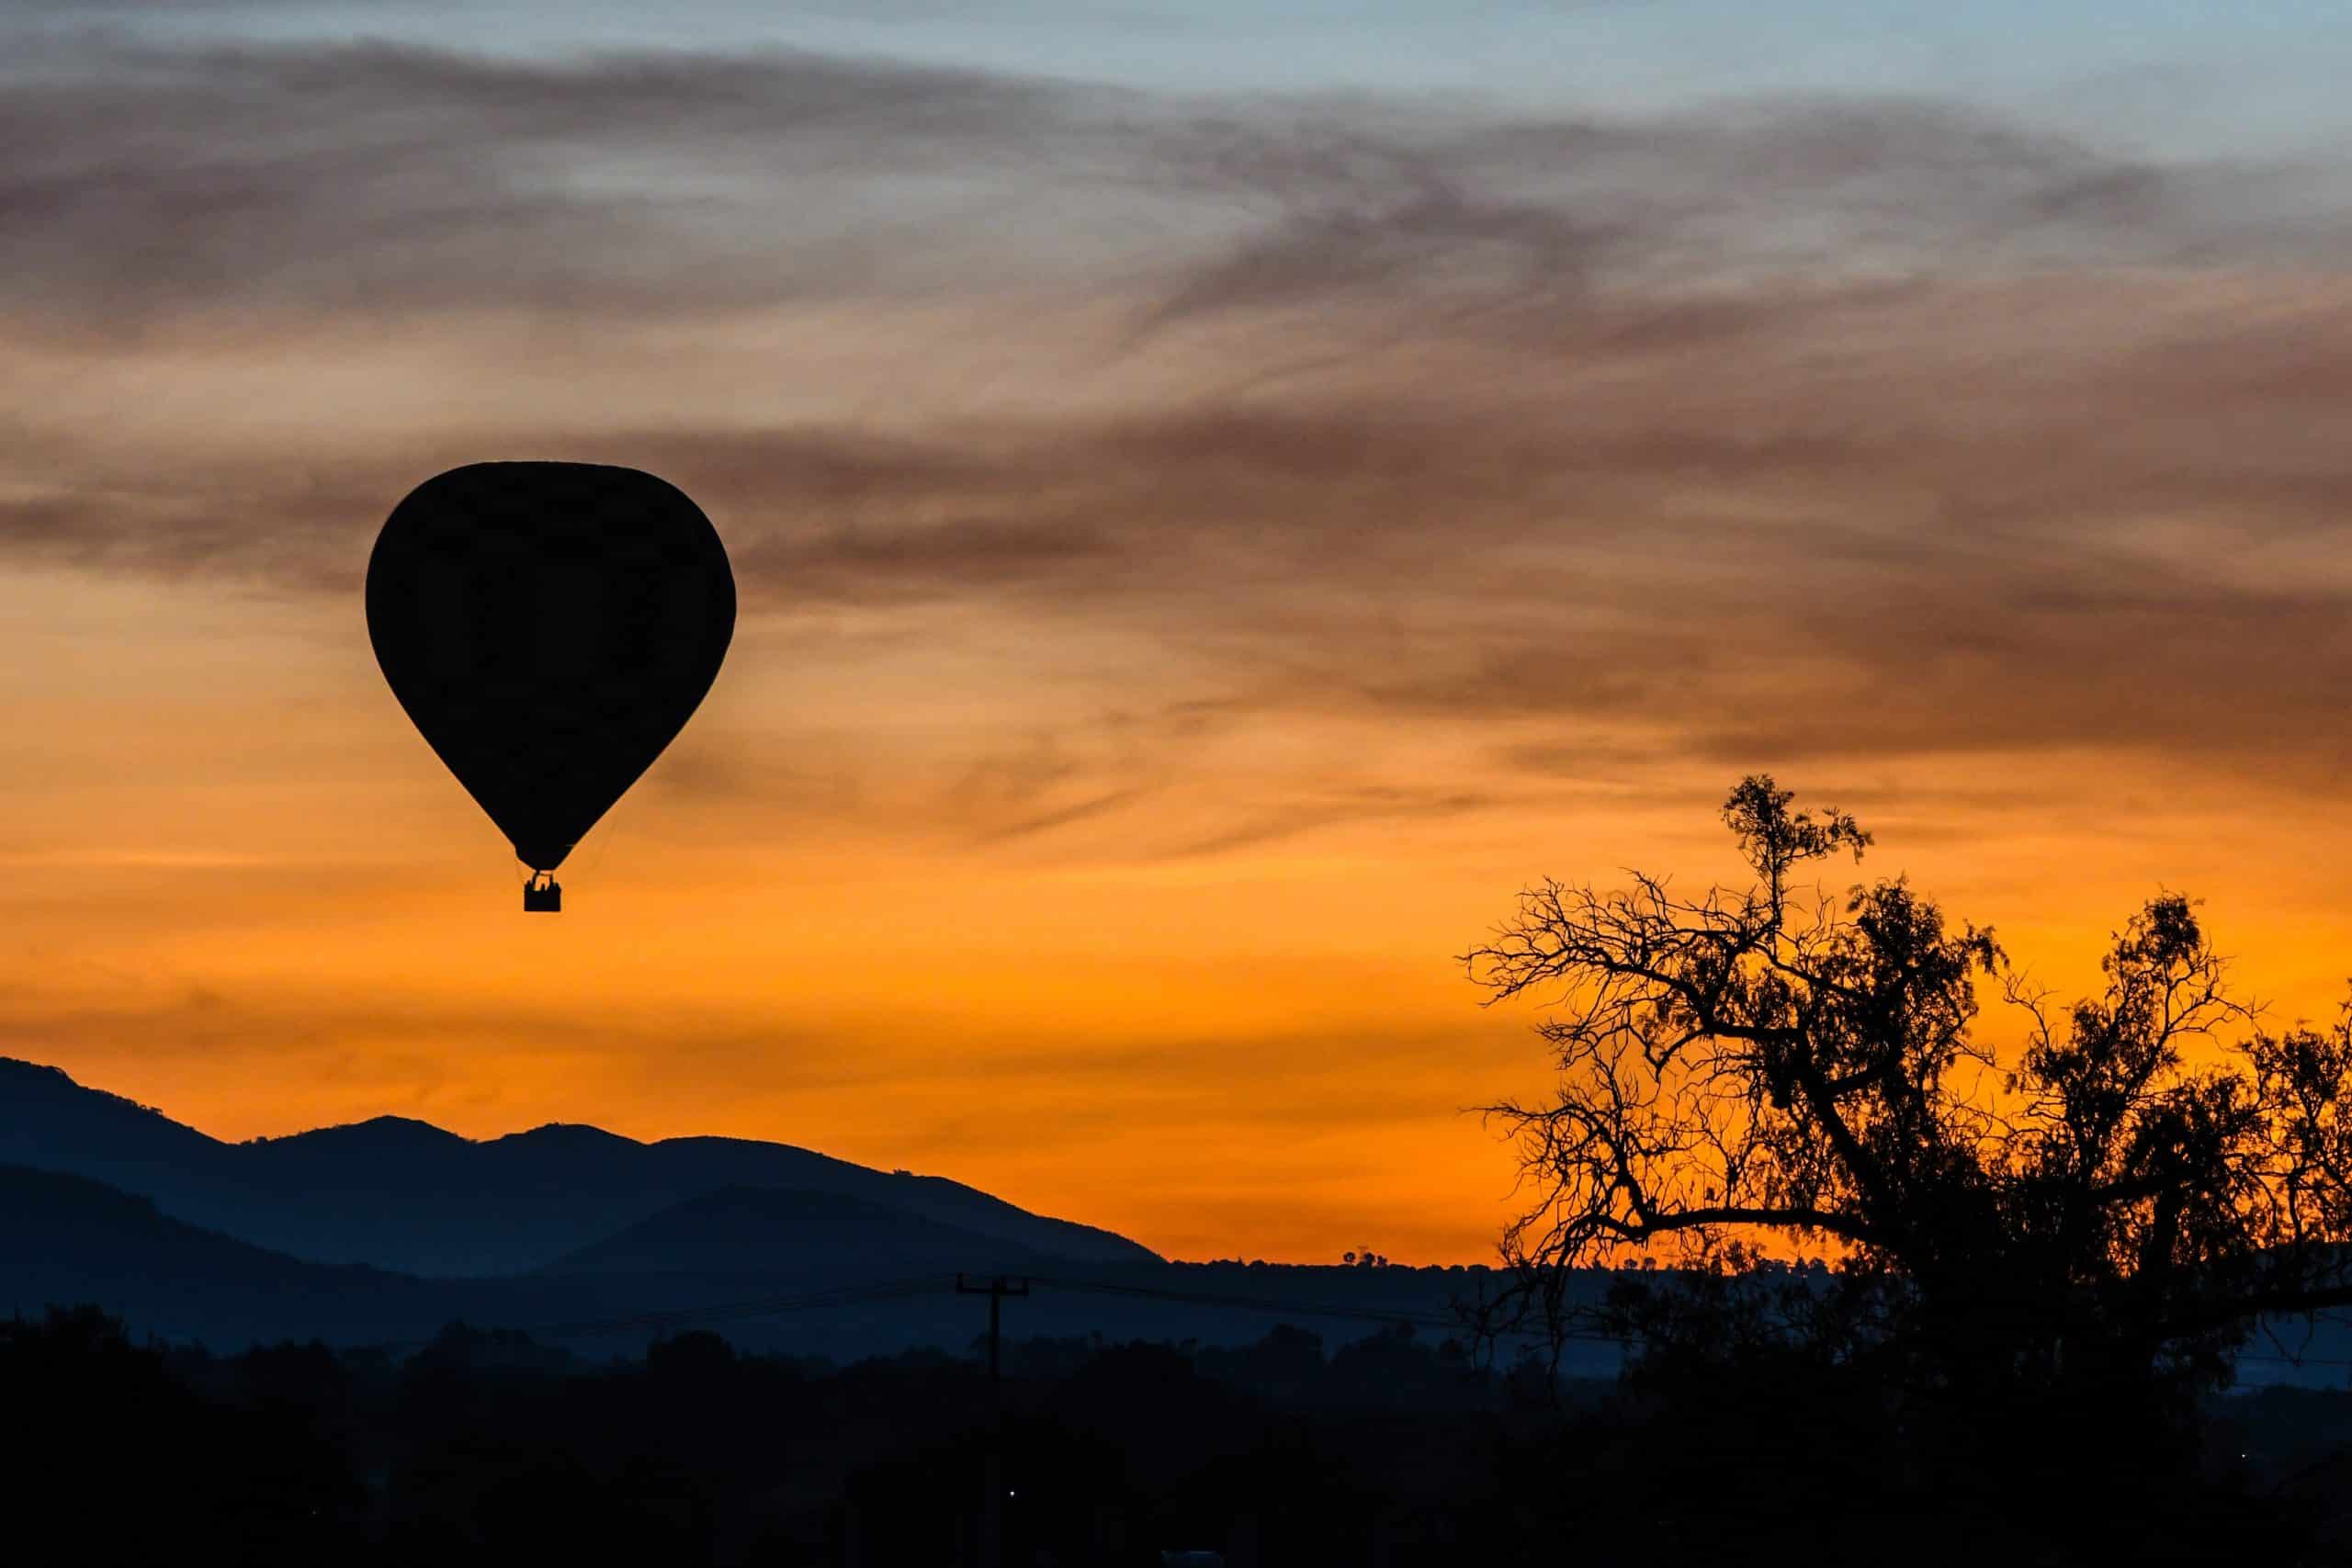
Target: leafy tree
<point>2119,1202</point>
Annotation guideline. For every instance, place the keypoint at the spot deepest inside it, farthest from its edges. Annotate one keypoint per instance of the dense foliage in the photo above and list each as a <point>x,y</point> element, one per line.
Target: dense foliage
<point>2120,1201</point>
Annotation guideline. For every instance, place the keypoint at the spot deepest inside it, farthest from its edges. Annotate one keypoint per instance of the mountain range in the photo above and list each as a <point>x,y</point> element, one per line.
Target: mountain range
<point>406,1196</point>
<point>382,1232</point>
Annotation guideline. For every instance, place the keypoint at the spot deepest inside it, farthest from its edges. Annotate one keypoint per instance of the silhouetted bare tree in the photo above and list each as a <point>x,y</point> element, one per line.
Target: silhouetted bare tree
<point>2123,1198</point>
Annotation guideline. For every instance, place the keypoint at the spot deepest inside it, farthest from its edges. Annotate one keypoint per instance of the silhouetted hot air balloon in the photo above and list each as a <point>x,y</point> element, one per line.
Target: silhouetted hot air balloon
<point>549,628</point>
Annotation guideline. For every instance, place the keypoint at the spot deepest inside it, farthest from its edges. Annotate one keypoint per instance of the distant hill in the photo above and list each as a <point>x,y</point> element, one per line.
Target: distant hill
<point>753,1230</point>
<point>65,1239</point>
<point>407,1196</point>
<point>381,1232</point>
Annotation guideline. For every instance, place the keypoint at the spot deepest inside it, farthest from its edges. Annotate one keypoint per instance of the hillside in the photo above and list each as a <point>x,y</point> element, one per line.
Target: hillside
<point>756,1230</point>
<point>405,1195</point>
<point>66,1239</point>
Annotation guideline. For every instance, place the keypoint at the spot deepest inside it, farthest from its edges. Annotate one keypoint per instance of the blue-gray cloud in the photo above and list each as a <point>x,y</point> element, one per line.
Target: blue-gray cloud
<point>141,181</point>
<point>1739,439</point>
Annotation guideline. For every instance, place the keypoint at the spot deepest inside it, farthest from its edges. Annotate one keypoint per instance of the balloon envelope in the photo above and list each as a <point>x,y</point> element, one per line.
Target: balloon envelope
<point>549,628</point>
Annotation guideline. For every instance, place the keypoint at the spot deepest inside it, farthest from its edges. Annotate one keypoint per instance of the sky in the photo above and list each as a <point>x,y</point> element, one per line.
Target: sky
<point>1223,496</point>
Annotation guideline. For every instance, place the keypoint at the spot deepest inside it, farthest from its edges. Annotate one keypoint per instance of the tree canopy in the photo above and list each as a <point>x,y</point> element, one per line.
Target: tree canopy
<point>2125,1194</point>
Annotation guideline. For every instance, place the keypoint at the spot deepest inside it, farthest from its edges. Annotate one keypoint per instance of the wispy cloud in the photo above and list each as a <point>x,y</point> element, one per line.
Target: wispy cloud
<point>1786,428</point>
<point>143,181</point>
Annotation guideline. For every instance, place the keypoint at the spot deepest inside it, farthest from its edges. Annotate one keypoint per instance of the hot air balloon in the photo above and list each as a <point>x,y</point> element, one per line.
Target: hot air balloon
<point>549,628</point>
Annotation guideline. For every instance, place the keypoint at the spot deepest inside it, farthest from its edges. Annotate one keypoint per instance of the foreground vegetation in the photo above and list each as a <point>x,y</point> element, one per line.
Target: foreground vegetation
<point>487,1448</point>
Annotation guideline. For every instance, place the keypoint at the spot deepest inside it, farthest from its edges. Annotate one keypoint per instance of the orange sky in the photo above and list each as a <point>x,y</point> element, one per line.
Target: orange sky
<point>1194,568</point>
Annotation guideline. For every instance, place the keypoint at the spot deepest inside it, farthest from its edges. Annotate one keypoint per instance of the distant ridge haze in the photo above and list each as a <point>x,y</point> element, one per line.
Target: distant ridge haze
<point>769,1229</point>
<point>404,1195</point>
<point>66,1239</point>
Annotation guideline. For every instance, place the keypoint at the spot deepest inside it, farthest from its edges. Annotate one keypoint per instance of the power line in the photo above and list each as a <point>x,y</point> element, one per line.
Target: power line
<point>858,1295</point>
<point>894,1289</point>
<point>847,1295</point>
<point>1273,1304</point>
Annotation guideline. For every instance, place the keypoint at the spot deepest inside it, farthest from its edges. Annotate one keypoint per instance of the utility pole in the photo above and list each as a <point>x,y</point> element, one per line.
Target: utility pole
<point>992,1542</point>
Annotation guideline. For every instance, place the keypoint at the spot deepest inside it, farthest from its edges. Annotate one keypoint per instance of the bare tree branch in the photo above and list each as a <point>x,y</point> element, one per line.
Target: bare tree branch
<point>1771,1061</point>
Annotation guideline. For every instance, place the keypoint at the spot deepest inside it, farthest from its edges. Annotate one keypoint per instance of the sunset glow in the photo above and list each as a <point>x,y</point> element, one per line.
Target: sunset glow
<point>1205,542</point>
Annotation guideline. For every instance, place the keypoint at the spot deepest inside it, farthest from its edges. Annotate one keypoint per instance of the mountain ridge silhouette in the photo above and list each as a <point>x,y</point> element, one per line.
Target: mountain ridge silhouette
<point>67,1239</point>
<point>753,1230</point>
<point>403,1195</point>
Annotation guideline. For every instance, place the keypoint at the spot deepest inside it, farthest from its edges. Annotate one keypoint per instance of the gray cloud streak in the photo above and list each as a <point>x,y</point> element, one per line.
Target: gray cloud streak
<point>1677,423</point>
<point>139,182</point>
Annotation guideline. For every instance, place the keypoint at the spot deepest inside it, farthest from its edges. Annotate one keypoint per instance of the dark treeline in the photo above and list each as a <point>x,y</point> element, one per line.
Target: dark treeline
<point>490,1448</point>
<point>1395,1449</point>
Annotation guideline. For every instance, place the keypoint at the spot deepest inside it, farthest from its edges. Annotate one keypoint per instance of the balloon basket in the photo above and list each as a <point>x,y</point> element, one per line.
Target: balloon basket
<point>542,896</point>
